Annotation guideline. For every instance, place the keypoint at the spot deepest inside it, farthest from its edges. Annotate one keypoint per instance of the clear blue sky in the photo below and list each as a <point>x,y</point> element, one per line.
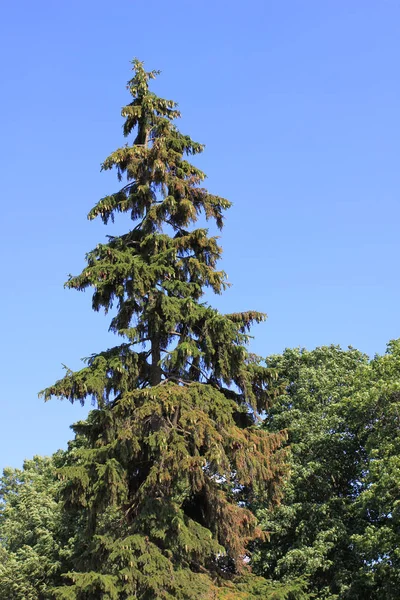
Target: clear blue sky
<point>298,104</point>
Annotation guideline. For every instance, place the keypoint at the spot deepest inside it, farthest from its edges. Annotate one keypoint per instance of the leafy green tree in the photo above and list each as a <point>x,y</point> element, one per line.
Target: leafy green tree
<point>338,522</point>
<point>375,415</point>
<point>33,536</point>
<point>311,529</point>
<point>163,467</point>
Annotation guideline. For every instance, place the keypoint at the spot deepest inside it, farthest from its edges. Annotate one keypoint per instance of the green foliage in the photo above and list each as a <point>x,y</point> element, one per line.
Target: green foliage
<point>338,522</point>
<point>375,414</point>
<point>256,588</point>
<point>33,535</point>
<point>161,472</point>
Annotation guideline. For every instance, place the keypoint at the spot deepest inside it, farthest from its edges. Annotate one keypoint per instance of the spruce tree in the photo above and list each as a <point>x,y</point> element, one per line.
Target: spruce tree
<point>163,467</point>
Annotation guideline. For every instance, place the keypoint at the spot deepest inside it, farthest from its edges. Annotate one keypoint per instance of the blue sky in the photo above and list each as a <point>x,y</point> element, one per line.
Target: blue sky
<point>297,102</point>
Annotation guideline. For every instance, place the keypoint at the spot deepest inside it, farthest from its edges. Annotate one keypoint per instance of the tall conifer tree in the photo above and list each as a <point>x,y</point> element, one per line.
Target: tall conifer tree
<point>162,467</point>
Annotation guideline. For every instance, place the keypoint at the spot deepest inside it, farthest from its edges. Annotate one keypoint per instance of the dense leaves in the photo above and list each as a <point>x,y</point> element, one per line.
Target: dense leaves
<point>34,537</point>
<point>374,410</point>
<point>338,523</point>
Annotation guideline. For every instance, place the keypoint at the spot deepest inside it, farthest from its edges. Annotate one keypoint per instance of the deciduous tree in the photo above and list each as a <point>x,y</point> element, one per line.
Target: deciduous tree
<point>34,538</point>
<point>338,522</point>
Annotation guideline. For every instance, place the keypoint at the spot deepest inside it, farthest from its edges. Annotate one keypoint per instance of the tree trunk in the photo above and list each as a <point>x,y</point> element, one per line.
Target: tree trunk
<point>156,373</point>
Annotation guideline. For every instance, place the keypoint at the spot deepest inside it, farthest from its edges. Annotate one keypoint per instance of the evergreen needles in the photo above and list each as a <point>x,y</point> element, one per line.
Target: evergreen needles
<point>162,469</point>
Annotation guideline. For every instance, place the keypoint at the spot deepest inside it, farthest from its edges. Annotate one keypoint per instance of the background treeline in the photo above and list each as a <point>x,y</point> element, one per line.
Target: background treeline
<point>335,533</point>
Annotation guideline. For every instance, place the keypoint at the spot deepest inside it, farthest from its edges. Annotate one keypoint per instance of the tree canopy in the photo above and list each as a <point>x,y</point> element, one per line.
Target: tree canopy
<point>338,521</point>
<point>34,537</point>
